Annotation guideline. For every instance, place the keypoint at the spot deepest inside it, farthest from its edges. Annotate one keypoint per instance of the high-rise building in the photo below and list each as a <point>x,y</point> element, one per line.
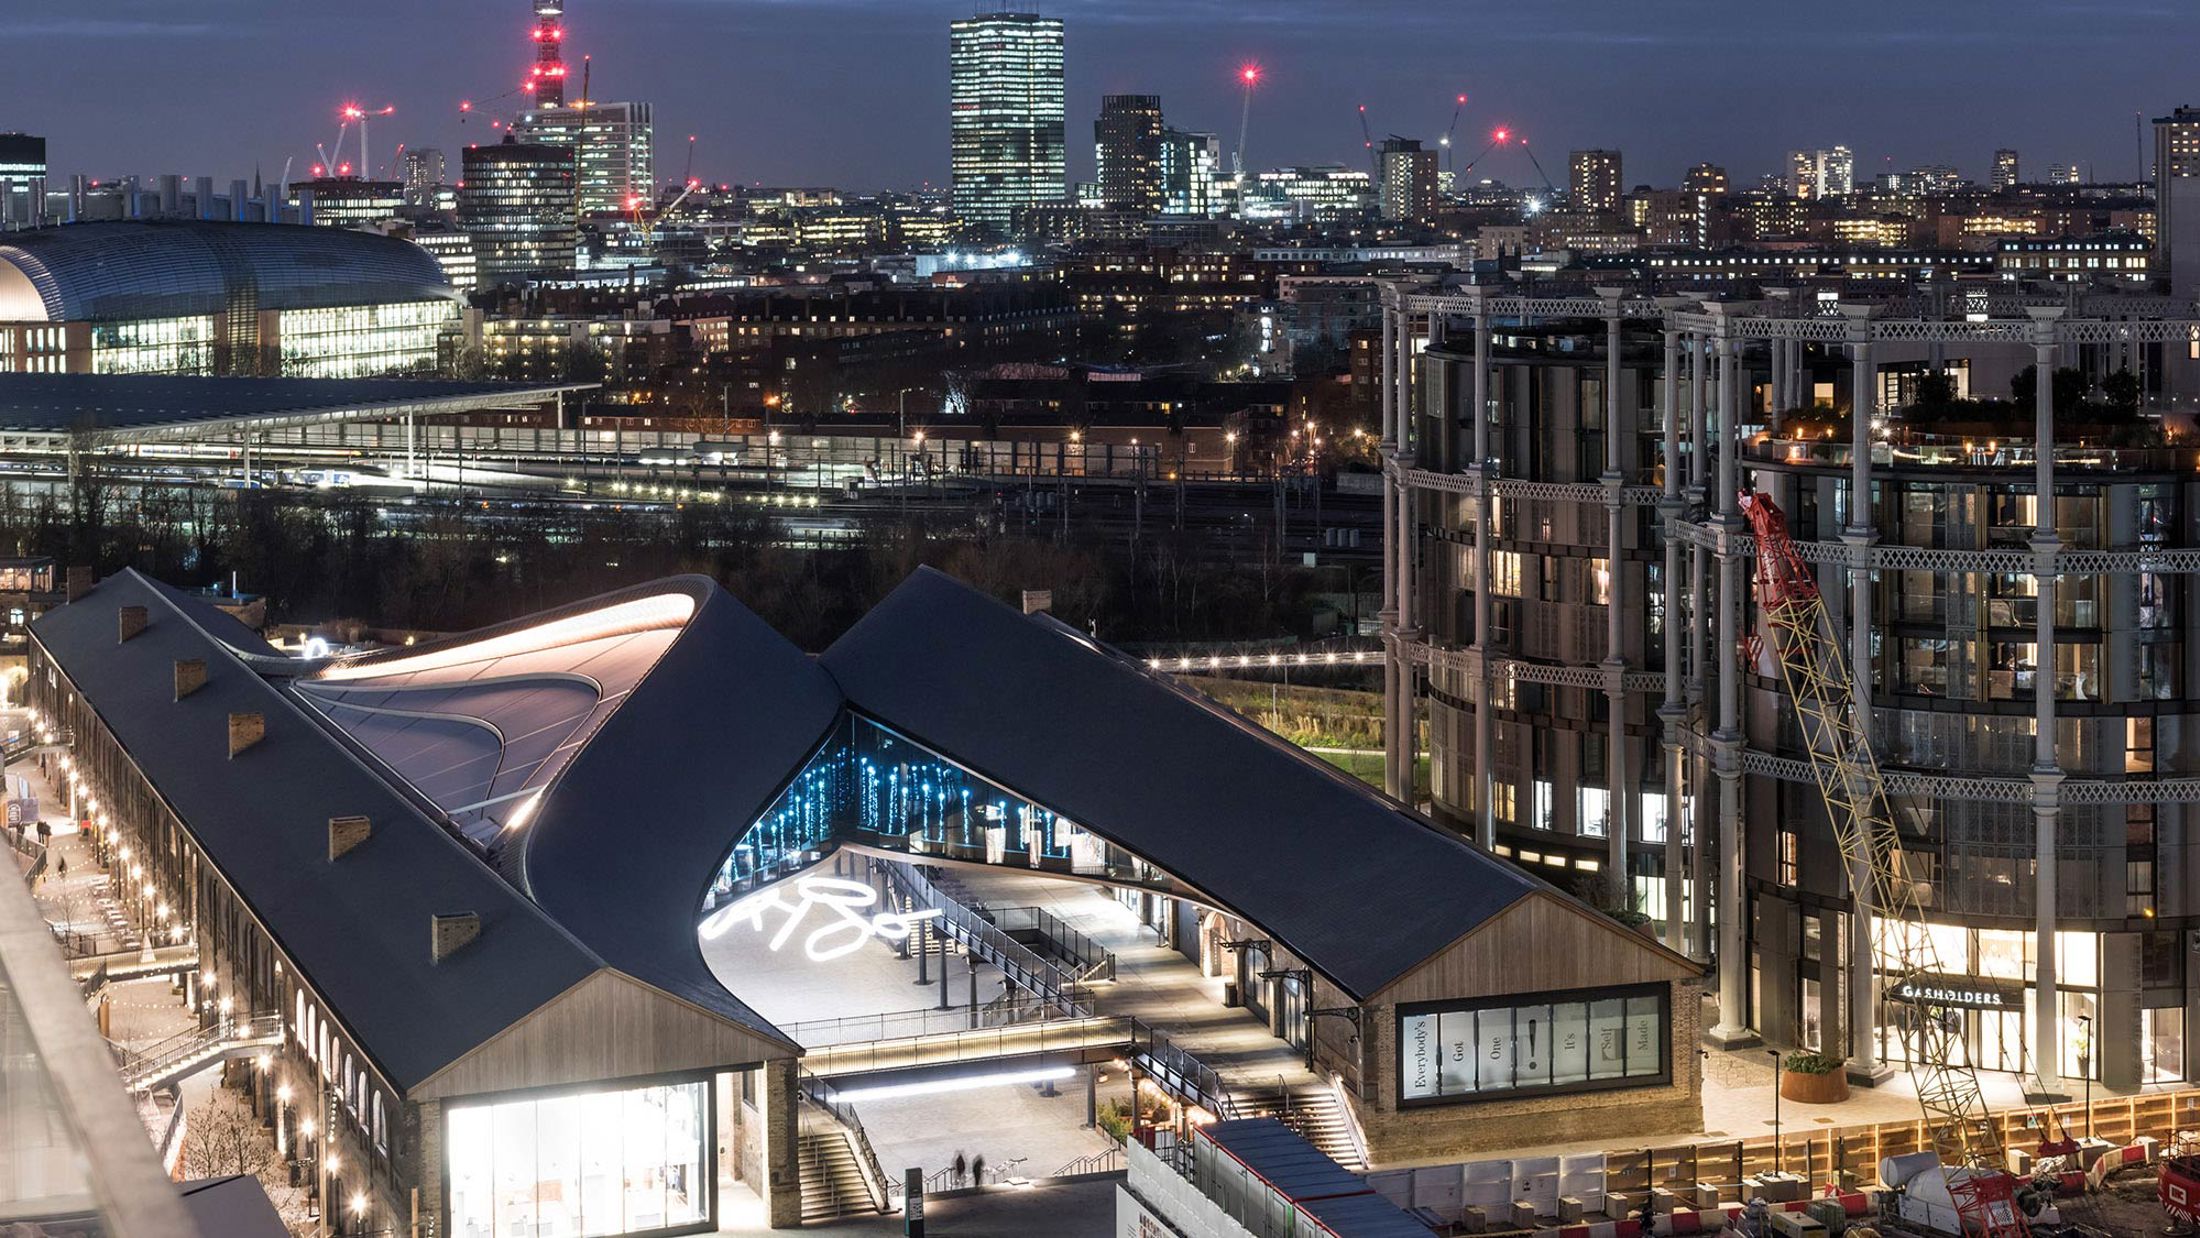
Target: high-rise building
<point>613,145</point>
<point>1932,178</point>
<point>1126,142</point>
<point>1323,194</point>
<point>1596,180</point>
<point>517,202</point>
<point>1829,173</point>
<point>546,77</point>
<point>2177,199</point>
<point>22,180</point>
<point>1705,178</point>
<point>345,201</point>
<point>1006,116</point>
<point>2006,173</point>
<point>1408,185</point>
<point>2065,174</point>
<point>1971,684</point>
<point>1191,171</point>
<point>424,169</point>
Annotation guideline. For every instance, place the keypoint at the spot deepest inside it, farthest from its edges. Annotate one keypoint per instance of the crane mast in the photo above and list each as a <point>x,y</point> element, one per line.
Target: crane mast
<point>1882,876</point>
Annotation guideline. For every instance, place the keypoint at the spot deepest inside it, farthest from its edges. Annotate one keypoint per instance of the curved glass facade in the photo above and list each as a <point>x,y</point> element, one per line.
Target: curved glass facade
<point>870,785</point>
<point>221,299</point>
<point>170,269</point>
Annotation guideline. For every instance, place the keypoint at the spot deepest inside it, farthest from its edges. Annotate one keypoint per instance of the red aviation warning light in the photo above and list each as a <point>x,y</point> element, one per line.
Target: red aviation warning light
<point>1503,136</point>
<point>1249,74</point>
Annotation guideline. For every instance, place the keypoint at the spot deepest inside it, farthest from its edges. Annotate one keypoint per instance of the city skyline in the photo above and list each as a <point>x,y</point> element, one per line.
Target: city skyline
<point>804,93</point>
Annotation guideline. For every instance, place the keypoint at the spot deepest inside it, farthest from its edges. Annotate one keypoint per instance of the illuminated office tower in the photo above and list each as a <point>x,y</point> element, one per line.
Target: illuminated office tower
<point>1191,171</point>
<point>423,171</point>
<point>1407,191</point>
<point>517,204</point>
<point>1127,151</point>
<point>22,180</point>
<point>2006,174</point>
<point>613,147</point>
<point>1829,173</point>
<point>1008,143</point>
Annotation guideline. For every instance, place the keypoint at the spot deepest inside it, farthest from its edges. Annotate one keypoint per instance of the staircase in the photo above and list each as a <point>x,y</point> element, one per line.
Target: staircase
<point>1314,1113</point>
<point>186,1054</point>
<point>832,1181</point>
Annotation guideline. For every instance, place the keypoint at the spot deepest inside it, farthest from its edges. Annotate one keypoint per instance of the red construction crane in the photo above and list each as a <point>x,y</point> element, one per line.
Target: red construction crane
<point>1834,732</point>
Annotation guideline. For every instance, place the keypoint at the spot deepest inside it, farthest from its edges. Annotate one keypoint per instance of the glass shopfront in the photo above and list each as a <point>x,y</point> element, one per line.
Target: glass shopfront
<point>583,1163</point>
<point>1985,978</point>
<point>1549,1042</point>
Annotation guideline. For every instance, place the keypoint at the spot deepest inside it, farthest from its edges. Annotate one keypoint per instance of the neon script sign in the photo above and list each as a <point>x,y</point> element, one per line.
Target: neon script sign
<point>844,931</point>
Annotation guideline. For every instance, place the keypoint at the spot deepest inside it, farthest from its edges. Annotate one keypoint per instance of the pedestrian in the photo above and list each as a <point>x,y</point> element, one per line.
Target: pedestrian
<point>62,866</point>
<point>962,1166</point>
<point>977,1170</point>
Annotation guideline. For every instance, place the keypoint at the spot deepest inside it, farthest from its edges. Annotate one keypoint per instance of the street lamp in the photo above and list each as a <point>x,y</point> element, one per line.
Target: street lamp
<point>1778,1163</point>
<point>901,402</point>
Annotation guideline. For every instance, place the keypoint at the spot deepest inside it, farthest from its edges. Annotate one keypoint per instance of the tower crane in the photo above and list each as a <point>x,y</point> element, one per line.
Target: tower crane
<point>1497,139</point>
<point>1872,844</point>
<point>1445,141</point>
<point>1538,168</point>
<point>1367,137</point>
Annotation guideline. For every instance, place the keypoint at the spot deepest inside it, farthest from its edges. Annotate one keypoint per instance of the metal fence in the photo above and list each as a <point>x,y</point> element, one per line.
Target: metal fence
<point>1012,1008</point>
<point>1092,960</point>
<point>982,938</point>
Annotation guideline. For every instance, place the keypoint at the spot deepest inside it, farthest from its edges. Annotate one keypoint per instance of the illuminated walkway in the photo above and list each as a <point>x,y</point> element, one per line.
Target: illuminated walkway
<point>1155,984</point>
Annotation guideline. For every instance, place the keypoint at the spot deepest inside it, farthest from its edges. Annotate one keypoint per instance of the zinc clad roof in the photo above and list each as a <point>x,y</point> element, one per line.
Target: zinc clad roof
<point>1342,877</point>
<point>128,270</point>
<point>627,840</point>
<point>358,928</point>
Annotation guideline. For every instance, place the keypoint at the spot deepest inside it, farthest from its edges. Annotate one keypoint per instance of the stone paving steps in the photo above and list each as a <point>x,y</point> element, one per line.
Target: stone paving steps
<point>832,1182</point>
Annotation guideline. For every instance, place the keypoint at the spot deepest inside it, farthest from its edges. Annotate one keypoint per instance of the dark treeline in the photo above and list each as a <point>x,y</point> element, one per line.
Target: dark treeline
<point>448,566</point>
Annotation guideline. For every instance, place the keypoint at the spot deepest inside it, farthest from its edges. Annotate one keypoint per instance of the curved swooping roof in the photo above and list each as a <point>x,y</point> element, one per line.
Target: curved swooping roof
<point>626,843</point>
<point>1294,847</point>
<point>97,271</point>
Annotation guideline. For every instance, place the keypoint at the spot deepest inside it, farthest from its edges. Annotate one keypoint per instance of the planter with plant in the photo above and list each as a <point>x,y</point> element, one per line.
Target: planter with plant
<point>1813,1079</point>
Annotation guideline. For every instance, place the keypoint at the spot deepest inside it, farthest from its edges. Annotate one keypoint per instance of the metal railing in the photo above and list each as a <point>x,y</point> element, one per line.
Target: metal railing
<point>1107,1162</point>
<point>984,1044</point>
<point>1176,1071</point>
<point>1017,962</point>
<point>828,1100</point>
<point>1092,960</point>
<point>145,1066</point>
<point>1012,1008</point>
<point>1170,1066</point>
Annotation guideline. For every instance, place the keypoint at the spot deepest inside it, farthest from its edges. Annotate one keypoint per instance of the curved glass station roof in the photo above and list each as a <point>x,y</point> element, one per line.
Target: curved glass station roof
<point>167,269</point>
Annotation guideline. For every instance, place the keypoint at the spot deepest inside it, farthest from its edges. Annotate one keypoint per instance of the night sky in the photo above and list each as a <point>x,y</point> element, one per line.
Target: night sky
<point>854,92</point>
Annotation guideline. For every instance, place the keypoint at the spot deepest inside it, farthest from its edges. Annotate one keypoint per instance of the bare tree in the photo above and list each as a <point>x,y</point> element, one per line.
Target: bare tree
<point>224,1139</point>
